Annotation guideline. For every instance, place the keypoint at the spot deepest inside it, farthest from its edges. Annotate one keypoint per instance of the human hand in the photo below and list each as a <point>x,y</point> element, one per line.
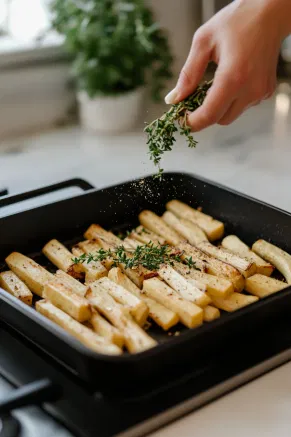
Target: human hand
<point>244,40</point>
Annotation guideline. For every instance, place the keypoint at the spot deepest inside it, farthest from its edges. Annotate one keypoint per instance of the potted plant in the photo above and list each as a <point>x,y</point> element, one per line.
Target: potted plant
<point>118,48</point>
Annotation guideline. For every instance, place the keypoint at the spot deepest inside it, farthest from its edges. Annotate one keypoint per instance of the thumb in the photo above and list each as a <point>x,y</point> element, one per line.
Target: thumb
<point>193,70</point>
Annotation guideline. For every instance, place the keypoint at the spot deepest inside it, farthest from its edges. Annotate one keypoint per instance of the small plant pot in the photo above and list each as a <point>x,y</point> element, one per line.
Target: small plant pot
<point>110,114</point>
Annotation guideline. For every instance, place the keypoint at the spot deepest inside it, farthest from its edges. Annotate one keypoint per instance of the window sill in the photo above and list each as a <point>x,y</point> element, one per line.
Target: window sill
<point>36,90</point>
<point>15,53</point>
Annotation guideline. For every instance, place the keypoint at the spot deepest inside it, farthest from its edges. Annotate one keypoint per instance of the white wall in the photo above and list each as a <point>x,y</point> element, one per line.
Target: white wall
<point>33,98</point>
<point>181,18</point>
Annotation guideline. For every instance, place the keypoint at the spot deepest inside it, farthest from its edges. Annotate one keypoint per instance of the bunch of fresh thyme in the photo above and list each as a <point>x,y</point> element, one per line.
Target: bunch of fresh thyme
<point>149,255</point>
<point>161,132</point>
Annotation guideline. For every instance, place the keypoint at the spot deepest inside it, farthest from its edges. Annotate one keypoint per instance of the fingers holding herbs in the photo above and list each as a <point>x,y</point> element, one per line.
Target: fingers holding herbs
<point>236,39</point>
<point>162,132</point>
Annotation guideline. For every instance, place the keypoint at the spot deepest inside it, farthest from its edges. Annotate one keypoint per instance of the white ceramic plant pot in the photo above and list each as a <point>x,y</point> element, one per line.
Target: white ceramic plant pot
<point>110,114</point>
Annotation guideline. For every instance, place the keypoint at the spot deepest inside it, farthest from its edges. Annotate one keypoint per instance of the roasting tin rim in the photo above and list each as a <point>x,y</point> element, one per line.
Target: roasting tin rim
<point>149,177</point>
<point>175,340</point>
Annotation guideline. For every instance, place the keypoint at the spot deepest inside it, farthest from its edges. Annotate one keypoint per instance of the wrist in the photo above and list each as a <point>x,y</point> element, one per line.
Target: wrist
<point>278,12</point>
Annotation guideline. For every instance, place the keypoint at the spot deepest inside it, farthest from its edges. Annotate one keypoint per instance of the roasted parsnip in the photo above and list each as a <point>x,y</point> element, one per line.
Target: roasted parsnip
<point>233,302</point>
<point>81,332</point>
<point>11,283</point>
<point>187,229</point>
<point>210,313</point>
<point>163,317</point>
<point>157,225</point>
<point>76,286</point>
<point>58,254</point>
<point>64,298</point>
<point>262,286</point>
<point>145,236</point>
<point>190,314</point>
<point>184,288</point>
<point>106,330</point>
<point>130,243</point>
<point>138,274</point>
<point>93,270</point>
<point>236,246</point>
<point>31,273</point>
<point>245,267</point>
<point>91,247</point>
<point>280,259</point>
<point>136,339</point>
<point>138,309</point>
<point>214,266</point>
<point>215,286</point>
<point>214,229</point>
<point>96,231</point>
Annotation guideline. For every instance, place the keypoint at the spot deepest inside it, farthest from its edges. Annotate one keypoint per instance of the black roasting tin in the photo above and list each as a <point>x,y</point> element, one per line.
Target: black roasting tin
<point>207,355</point>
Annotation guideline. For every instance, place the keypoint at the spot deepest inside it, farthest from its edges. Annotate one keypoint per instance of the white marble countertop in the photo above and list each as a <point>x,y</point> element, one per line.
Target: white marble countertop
<point>253,156</point>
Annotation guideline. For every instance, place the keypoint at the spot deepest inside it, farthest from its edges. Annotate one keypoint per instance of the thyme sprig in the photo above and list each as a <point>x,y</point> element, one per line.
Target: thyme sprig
<point>161,132</point>
<point>151,256</point>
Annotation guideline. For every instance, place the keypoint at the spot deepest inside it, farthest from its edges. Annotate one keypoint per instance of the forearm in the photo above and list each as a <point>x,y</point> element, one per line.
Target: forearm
<point>278,11</point>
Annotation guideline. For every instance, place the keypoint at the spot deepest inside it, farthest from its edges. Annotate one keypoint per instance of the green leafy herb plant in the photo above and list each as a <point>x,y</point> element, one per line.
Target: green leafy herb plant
<point>117,45</point>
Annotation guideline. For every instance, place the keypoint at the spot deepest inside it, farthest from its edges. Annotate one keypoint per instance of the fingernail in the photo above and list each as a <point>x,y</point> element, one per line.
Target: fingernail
<point>171,97</point>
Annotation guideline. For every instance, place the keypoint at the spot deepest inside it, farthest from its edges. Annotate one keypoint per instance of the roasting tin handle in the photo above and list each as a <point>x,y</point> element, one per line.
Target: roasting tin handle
<point>3,192</point>
<point>35,393</point>
<point>81,183</point>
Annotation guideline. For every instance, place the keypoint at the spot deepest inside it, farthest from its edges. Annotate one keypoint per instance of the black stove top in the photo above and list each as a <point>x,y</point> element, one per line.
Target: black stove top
<point>87,412</point>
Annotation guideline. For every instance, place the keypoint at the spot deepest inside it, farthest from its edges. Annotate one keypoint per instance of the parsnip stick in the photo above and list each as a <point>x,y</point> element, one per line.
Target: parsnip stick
<point>106,330</point>
<point>145,236</point>
<point>210,313</point>
<point>157,225</point>
<point>184,288</point>
<point>190,314</point>
<point>235,245</point>
<point>138,309</point>
<point>215,286</point>
<point>31,273</point>
<point>13,285</point>
<point>131,243</point>
<point>262,286</point>
<point>101,300</point>
<point>214,229</point>
<point>81,332</point>
<point>187,229</point>
<point>233,302</point>
<point>280,259</point>
<point>199,264</point>
<point>138,274</point>
<point>214,266</point>
<point>163,317</point>
<point>91,247</point>
<point>136,339</point>
<point>93,270</point>
<point>64,298</point>
<point>96,231</point>
<point>69,281</point>
<point>244,266</point>
<point>58,254</point>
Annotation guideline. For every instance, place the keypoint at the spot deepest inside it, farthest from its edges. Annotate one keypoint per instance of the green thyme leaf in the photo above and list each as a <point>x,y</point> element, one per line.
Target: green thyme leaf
<point>149,255</point>
<point>161,132</point>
